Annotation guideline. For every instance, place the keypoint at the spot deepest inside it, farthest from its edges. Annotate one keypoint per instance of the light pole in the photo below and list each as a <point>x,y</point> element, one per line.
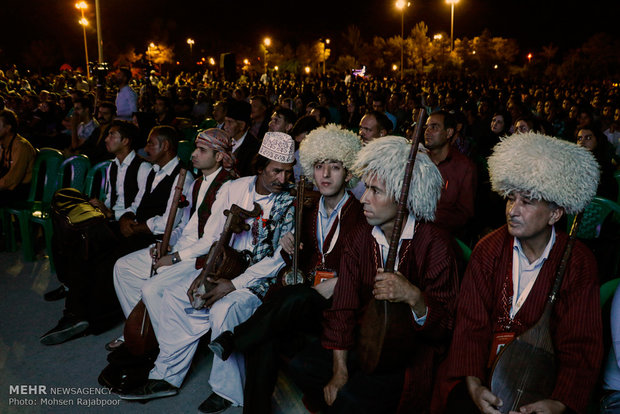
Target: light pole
<point>400,5</point>
<point>452,3</point>
<point>266,43</point>
<point>325,43</point>
<point>191,42</point>
<point>82,6</point>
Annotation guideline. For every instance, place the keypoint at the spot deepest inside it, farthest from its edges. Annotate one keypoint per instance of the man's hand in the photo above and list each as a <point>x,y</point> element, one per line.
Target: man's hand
<point>193,288</point>
<point>101,206</point>
<point>330,391</point>
<point>126,226</point>
<point>164,261</point>
<point>340,377</point>
<point>223,288</point>
<point>288,243</point>
<point>482,396</point>
<point>542,407</point>
<point>394,287</point>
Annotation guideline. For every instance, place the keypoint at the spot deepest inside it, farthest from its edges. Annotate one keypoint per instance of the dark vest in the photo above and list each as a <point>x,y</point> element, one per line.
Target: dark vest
<point>204,210</point>
<point>130,184</point>
<point>155,200</point>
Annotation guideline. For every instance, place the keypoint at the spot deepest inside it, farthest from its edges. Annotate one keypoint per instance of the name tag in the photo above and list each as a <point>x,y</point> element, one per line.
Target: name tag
<point>500,340</point>
<point>323,275</point>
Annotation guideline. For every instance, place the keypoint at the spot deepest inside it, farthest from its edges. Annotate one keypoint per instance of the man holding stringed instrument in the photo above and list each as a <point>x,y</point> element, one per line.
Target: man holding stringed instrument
<point>424,283</point>
<point>213,157</point>
<point>521,271</point>
<point>294,312</point>
<point>186,315</point>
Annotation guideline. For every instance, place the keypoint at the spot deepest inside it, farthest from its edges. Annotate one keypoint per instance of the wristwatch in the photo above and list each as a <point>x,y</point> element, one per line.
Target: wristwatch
<point>175,258</point>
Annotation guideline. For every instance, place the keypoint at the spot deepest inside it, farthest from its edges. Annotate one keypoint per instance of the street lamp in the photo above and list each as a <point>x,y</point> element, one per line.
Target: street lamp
<point>452,3</point>
<point>400,5</point>
<point>266,43</point>
<point>82,6</point>
<point>190,42</point>
<point>325,43</point>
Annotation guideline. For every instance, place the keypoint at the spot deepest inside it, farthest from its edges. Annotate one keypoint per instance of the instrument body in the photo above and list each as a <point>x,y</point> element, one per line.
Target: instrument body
<point>525,370</point>
<point>386,337</point>
<point>139,335</point>
<point>223,261</point>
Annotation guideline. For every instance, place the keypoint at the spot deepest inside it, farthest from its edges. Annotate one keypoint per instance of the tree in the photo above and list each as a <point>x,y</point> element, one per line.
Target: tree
<point>353,39</point>
<point>160,54</point>
<point>549,52</point>
<point>418,47</point>
<point>41,54</point>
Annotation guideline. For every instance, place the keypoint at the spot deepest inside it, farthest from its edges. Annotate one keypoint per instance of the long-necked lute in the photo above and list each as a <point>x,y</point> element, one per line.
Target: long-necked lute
<point>386,337</point>
<point>138,332</point>
<point>525,370</point>
<point>223,261</point>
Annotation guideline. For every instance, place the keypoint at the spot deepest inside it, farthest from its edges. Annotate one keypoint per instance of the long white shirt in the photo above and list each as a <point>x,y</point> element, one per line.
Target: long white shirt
<point>186,233</point>
<point>157,224</point>
<point>143,172</point>
<point>126,103</point>
<point>241,192</point>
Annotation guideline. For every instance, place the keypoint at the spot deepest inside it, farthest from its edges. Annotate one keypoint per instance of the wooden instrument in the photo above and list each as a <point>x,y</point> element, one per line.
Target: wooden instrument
<point>291,274</point>
<point>223,261</point>
<point>386,337</point>
<point>525,369</point>
<point>138,332</point>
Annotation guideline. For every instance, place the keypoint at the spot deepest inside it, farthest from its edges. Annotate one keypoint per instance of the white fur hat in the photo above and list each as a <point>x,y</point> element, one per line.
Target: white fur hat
<point>386,158</point>
<point>278,146</point>
<point>330,142</point>
<point>545,167</point>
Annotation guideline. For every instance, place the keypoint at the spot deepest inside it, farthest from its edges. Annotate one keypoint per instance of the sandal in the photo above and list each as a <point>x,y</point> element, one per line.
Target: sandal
<point>115,344</point>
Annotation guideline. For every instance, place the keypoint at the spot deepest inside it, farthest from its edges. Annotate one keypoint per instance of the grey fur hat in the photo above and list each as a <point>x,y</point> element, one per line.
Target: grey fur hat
<point>386,158</point>
<point>330,142</point>
<point>545,167</point>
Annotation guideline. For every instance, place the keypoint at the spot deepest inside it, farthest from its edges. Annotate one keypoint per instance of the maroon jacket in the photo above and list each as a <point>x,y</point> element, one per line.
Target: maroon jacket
<point>486,297</point>
<point>456,205</point>
<point>351,216</point>
<point>428,261</point>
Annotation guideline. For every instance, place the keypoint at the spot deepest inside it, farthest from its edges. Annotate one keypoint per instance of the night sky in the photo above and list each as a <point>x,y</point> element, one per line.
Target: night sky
<point>220,26</point>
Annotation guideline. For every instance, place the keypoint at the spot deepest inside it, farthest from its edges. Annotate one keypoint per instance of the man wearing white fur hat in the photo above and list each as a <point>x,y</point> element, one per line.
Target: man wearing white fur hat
<point>231,301</point>
<point>426,279</point>
<point>292,314</point>
<point>512,270</point>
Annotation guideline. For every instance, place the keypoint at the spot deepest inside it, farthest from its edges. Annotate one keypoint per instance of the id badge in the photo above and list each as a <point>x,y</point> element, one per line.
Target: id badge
<point>321,275</point>
<point>500,340</point>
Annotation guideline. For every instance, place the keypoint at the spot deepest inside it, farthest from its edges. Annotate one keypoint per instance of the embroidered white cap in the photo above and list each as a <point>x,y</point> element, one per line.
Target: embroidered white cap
<point>278,146</point>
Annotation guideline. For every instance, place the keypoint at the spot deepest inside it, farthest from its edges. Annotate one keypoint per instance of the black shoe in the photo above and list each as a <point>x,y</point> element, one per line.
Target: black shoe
<point>56,294</point>
<point>67,328</point>
<point>223,345</point>
<point>214,404</point>
<point>154,388</point>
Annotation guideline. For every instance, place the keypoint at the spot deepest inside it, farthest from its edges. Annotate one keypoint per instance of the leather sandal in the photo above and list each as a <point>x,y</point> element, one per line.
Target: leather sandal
<point>115,344</point>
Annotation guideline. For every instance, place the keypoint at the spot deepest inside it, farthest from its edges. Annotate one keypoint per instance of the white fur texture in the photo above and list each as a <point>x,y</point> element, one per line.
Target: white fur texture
<point>386,158</point>
<point>548,168</point>
<point>330,142</point>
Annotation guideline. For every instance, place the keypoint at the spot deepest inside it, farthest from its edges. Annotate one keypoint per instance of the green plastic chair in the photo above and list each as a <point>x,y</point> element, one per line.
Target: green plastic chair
<point>72,173</point>
<point>42,188</point>
<point>465,250</point>
<point>608,289</point>
<point>617,177</point>
<point>189,133</point>
<point>593,217</point>
<point>185,151</point>
<point>207,123</point>
<point>96,180</point>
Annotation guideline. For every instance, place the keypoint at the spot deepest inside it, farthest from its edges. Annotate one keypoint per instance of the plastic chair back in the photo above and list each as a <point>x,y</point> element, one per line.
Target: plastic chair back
<point>45,175</point>
<point>189,133</point>
<point>73,172</point>
<point>96,180</point>
<point>185,151</point>
<point>608,289</point>
<point>617,177</point>
<point>208,123</point>
<point>465,250</point>
<point>593,217</point>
